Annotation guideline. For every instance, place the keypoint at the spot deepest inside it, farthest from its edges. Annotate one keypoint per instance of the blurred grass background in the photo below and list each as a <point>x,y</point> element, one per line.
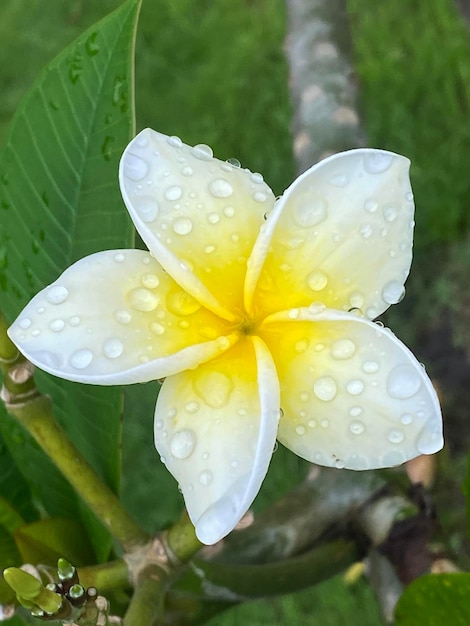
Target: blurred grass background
<point>214,71</point>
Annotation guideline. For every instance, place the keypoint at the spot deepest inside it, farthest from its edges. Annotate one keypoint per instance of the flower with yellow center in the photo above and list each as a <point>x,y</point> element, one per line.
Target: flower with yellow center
<point>245,305</point>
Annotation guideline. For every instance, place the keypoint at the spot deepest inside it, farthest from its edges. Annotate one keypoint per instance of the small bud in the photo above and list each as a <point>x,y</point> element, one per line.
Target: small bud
<point>65,570</point>
<point>76,592</point>
<point>30,591</point>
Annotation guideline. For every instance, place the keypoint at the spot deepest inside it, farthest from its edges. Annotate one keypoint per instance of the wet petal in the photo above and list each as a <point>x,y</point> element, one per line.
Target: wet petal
<point>117,317</point>
<point>352,394</point>
<point>341,234</point>
<point>199,216</point>
<point>215,428</point>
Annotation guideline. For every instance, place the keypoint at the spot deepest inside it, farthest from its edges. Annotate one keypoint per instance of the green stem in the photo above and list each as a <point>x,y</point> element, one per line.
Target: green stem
<point>105,577</point>
<point>146,606</point>
<point>37,417</point>
<point>181,539</point>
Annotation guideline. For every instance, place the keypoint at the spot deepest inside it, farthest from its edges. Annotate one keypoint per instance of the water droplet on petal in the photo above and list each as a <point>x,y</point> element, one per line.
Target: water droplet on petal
<point>301,345</point>
<point>357,427</point>
<point>356,300</point>
<point>156,328</point>
<point>113,348</point>
<point>202,152</point>
<point>183,226</point>
<point>403,382</point>
<point>390,214</point>
<point>158,424</point>
<point>339,180</point>
<point>229,211</point>
<point>310,213</point>
<point>293,314</point>
<point>234,162</point>
<point>57,325</point>
<point>395,436</point>
<point>122,316</point>
<point>192,407</point>
<point>173,193</point>
<point>147,208</point>
<point>317,280</point>
<point>365,230</point>
<point>355,387</point>
<point>343,349</point>
<point>135,168</point>
<point>183,443</point>
<point>214,388</point>
<point>370,367</point>
<point>81,359</point>
<point>181,303</point>
<point>24,323</point>
<point>187,171</point>
<point>220,188</point>
<point>355,411</point>
<point>406,419</point>
<point>371,206</point>
<point>205,478</point>
<point>213,218</point>
<point>57,294</point>
<point>325,388</point>
<point>150,281</point>
<point>300,430</point>
<point>339,464</point>
<point>393,292</point>
<point>142,299</point>
<point>174,142</point>
<point>259,196</point>
<point>209,249</point>
<point>377,162</point>
<point>119,257</point>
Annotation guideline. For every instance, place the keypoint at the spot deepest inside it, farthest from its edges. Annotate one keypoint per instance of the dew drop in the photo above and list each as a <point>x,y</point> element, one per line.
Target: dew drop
<point>390,214</point>
<point>187,171</point>
<point>310,213</point>
<point>150,281</point>
<point>393,292</point>
<point>406,419</point>
<point>229,211</point>
<point>214,388</point>
<point>181,303</point>
<point>157,329</point>
<point>122,316</point>
<point>113,348</point>
<point>377,162</point>
<point>365,230</point>
<point>57,325</point>
<point>429,442</point>
<point>293,314</point>
<point>119,257</point>
<point>395,435</point>
<point>81,359</point>
<point>142,299</point>
<point>339,180</point>
<point>35,333</point>
<point>234,162</point>
<point>343,349</point>
<point>300,430</point>
<point>371,206</point>
<point>356,300</point>
<point>183,443</point>
<point>183,226</point>
<point>147,208</point>
<point>304,396</point>
<point>370,367</point>
<point>339,464</point>
<point>403,382</point>
<point>355,411</point>
<point>57,294</point>
<point>312,423</point>
<point>202,152</point>
<point>356,427</point>
<point>213,218</point>
<point>317,280</point>
<point>192,407</point>
<point>158,424</point>
<point>325,388</point>
<point>205,478</point>
<point>355,387</point>
<point>259,196</point>
<point>135,168</point>
<point>301,345</point>
<point>24,323</point>
<point>173,193</point>
<point>220,188</point>
<point>174,141</point>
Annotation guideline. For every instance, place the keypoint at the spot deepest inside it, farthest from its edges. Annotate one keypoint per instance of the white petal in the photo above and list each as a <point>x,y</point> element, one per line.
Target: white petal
<point>117,317</point>
<point>215,428</point>
<point>341,235</point>
<point>352,394</point>
<point>199,216</point>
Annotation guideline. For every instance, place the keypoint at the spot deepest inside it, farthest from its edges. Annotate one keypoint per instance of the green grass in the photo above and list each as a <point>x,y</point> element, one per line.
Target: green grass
<point>213,71</point>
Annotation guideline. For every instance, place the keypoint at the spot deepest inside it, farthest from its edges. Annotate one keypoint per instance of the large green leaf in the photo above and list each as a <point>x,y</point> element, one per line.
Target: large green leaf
<point>59,200</point>
<point>435,600</point>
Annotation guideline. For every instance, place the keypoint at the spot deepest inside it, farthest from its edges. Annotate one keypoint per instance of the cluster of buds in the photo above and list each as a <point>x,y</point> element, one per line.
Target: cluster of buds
<point>66,600</point>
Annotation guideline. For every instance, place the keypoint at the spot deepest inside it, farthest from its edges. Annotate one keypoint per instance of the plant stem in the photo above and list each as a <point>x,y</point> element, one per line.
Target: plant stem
<point>145,608</point>
<point>105,577</point>
<point>181,539</point>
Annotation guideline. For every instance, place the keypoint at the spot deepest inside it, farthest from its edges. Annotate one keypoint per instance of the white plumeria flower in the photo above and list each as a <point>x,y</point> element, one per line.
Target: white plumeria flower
<point>246,305</point>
